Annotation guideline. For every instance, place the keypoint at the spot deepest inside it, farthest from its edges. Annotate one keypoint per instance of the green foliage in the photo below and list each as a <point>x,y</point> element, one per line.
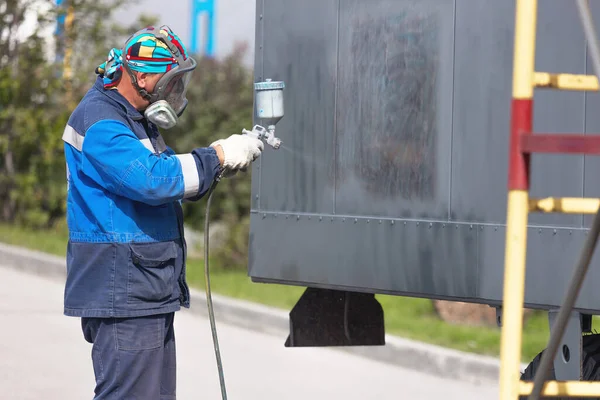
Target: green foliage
<point>35,106</point>
<point>31,116</point>
<point>36,101</point>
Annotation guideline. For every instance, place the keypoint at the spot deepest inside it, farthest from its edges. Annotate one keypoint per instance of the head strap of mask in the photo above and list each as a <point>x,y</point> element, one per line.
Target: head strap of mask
<point>159,35</point>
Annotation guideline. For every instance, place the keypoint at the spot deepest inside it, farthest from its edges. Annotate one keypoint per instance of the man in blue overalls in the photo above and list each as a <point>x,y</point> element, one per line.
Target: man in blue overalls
<point>126,251</point>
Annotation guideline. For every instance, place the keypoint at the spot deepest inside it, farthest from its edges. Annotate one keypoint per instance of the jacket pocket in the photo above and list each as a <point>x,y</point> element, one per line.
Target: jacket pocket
<point>151,272</point>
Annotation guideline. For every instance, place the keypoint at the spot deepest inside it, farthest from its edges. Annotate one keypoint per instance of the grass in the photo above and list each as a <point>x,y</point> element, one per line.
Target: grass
<point>49,241</point>
<point>411,318</point>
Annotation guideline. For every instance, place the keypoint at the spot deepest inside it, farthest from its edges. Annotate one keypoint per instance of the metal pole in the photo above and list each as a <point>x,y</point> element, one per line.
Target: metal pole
<point>565,310</point>
<point>67,70</point>
<point>518,200</point>
<point>588,250</point>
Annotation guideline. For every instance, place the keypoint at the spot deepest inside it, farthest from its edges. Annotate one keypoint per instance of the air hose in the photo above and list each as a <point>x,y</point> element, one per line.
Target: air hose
<point>269,106</point>
<point>211,313</point>
<point>259,133</point>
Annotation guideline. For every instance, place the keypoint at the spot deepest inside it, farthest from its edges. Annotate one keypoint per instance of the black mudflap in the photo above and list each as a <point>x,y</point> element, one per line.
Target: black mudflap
<point>324,317</point>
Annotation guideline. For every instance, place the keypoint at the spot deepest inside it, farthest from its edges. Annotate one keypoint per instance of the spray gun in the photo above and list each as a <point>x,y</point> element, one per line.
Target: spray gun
<point>269,107</point>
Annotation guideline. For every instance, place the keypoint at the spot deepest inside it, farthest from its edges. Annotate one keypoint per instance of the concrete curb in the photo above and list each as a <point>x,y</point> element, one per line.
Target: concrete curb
<point>417,356</point>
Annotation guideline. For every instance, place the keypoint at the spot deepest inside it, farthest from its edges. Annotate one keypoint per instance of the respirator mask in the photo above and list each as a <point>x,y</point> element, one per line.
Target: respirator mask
<point>168,100</point>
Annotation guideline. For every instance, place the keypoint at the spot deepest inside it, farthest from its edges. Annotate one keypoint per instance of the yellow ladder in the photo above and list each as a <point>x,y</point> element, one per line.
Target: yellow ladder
<point>522,144</point>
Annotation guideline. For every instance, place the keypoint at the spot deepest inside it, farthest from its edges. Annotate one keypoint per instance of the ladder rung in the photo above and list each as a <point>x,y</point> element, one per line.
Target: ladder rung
<point>566,388</point>
<point>560,143</point>
<point>565,81</point>
<point>566,205</point>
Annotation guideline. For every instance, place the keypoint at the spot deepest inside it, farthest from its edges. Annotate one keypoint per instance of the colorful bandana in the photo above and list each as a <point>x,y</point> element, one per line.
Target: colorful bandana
<point>143,53</point>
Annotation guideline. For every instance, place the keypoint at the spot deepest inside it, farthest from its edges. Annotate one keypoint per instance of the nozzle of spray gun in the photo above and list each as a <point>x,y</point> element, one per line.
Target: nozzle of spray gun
<point>267,135</point>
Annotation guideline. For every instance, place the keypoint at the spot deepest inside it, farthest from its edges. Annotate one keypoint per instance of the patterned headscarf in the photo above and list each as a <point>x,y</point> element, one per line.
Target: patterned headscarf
<point>143,53</point>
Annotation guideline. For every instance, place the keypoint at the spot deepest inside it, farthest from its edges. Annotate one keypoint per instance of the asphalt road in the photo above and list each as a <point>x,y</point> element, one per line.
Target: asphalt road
<point>44,356</point>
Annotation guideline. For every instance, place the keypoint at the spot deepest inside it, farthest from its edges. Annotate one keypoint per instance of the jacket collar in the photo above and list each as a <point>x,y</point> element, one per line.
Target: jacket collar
<point>117,97</point>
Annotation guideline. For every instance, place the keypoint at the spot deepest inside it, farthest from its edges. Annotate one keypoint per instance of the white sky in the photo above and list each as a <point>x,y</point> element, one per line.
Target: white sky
<point>30,24</point>
<point>235,21</point>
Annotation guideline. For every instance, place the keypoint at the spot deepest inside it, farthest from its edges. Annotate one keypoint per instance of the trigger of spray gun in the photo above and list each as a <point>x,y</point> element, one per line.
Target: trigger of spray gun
<point>267,135</point>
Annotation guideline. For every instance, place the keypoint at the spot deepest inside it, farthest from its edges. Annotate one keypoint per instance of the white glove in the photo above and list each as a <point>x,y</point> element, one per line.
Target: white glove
<point>239,151</point>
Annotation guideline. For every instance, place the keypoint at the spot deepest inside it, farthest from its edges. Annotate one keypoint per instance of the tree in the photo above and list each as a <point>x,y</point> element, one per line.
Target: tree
<point>30,117</point>
<point>34,107</point>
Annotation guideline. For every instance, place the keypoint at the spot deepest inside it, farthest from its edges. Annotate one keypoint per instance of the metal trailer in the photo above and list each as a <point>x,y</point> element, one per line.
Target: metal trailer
<point>392,177</point>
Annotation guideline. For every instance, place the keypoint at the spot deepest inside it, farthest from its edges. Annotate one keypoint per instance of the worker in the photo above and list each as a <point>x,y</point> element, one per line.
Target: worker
<point>126,269</point>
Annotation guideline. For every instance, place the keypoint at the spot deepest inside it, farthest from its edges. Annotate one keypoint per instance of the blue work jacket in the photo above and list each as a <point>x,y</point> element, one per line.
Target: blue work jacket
<point>126,252</point>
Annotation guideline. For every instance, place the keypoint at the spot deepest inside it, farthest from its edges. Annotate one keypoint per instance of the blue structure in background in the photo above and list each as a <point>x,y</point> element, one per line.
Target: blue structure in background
<point>198,8</point>
<point>59,32</point>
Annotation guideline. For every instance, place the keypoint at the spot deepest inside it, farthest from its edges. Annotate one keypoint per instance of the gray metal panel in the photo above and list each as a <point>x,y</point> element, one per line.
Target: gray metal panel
<point>394,108</point>
<point>258,72</point>
<point>300,48</point>
<point>429,259</point>
<point>592,127</point>
<point>454,260</point>
<point>551,258</point>
<point>553,255</point>
<point>482,94</point>
<point>426,258</point>
<point>560,48</point>
<point>491,262</point>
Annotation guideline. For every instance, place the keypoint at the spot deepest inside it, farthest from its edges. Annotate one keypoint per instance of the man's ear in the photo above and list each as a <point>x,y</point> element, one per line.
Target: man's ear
<point>142,78</point>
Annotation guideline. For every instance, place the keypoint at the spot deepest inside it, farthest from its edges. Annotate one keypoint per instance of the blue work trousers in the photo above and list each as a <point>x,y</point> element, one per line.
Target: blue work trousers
<point>133,358</point>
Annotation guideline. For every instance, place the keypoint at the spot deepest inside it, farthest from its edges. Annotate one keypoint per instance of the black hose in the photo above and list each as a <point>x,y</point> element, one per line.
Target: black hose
<point>587,22</point>
<point>211,313</point>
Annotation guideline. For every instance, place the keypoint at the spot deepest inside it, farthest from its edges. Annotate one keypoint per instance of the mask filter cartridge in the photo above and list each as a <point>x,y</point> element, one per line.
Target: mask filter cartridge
<point>161,114</point>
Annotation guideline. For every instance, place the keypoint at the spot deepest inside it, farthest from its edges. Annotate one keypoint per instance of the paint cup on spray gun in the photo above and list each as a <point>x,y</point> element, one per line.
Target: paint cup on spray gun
<point>269,108</point>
